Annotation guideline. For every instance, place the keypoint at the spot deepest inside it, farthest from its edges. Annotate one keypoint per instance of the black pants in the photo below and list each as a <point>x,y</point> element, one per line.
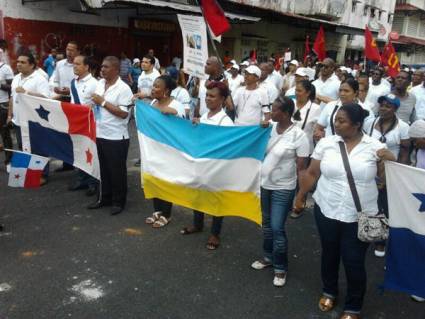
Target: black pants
<point>5,132</point>
<point>162,206</point>
<point>198,222</point>
<point>113,170</point>
<point>382,207</point>
<point>339,241</point>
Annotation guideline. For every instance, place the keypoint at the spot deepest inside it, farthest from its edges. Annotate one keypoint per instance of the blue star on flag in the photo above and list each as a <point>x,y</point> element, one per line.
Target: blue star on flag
<point>43,113</point>
<point>421,198</point>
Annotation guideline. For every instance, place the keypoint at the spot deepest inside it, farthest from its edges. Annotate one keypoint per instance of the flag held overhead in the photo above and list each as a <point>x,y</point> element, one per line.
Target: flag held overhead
<point>371,50</point>
<point>214,15</point>
<point>319,46</point>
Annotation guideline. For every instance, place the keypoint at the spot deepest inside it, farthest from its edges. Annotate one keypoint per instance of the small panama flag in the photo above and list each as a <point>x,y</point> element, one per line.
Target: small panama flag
<point>26,169</point>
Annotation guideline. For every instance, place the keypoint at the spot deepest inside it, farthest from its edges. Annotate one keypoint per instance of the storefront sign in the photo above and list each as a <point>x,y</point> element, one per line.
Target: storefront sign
<point>195,45</point>
<point>153,25</point>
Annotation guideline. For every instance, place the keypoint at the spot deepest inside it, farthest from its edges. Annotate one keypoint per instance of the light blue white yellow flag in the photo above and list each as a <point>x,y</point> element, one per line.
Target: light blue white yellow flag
<point>213,169</point>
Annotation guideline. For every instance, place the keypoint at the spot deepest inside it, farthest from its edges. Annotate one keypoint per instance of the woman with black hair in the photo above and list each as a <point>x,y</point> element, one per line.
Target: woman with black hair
<point>307,110</point>
<point>286,153</point>
<point>162,100</point>
<point>335,211</point>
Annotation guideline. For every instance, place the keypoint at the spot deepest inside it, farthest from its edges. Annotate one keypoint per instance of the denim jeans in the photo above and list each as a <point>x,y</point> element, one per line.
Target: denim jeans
<point>198,222</point>
<point>275,206</point>
<point>339,241</point>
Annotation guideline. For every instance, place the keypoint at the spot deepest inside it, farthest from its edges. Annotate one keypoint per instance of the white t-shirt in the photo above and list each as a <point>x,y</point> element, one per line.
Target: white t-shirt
<point>109,126</point>
<point>393,138</point>
<point>235,83</point>
<point>272,92</point>
<point>145,82</point>
<point>250,106</point>
<point>220,119</point>
<point>288,80</point>
<point>34,83</point>
<point>328,88</point>
<point>375,91</point>
<point>333,193</point>
<point>85,89</point>
<point>279,169</point>
<point>62,75</point>
<point>6,73</point>
<point>277,79</point>
<point>313,111</point>
<point>327,115</point>
<point>419,92</point>
<point>182,95</point>
<point>174,104</point>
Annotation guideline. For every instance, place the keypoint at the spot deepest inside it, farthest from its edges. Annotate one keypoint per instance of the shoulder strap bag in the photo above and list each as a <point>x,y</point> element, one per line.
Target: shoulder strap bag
<point>371,228</point>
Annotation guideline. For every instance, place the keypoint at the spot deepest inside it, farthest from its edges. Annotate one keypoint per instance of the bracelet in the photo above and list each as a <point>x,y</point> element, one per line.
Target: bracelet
<point>103,103</point>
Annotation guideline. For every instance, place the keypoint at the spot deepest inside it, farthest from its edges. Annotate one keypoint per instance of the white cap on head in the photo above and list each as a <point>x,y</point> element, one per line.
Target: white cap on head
<point>233,62</point>
<point>253,69</point>
<point>235,66</point>
<point>301,72</point>
<point>417,129</point>
<point>245,63</point>
<point>294,62</point>
<point>136,60</point>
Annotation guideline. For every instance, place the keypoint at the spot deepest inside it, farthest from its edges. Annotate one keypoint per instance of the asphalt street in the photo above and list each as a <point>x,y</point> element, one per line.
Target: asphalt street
<point>59,260</point>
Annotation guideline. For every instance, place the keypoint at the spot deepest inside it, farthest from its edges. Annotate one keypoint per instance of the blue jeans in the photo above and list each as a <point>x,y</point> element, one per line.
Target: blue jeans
<point>275,206</point>
<point>339,242</point>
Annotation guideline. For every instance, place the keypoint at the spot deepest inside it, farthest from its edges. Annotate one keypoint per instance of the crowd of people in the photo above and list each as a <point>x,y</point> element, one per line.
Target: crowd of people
<point>317,112</point>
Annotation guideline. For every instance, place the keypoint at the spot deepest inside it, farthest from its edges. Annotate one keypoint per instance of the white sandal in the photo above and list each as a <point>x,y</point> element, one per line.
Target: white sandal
<point>261,264</point>
<point>161,222</point>
<point>152,219</point>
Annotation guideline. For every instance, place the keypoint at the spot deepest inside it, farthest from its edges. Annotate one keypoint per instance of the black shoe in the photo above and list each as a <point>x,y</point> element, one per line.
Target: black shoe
<point>1,227</point>
<point>77,186</point>
<point>115,210</point>
<point>138,163</point>
<point>99,204</point>
<point>91,191</point>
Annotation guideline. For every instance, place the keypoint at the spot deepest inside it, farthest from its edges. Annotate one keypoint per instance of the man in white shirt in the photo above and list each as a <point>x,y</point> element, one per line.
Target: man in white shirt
<point>406,111</point>
<point>60,81</point>
<point>235,80</point>
<point>377,88</point>
<point>27,81</point>
<point>146,79</point>
<point>157,66</point>
<point>327,85</point>
<point>265,83</point>
<point>6,77</point>
<point>419,92</point>
<point>289,78</point>
<point>274,76</point>
<point>417,79</point>
<point>113,97</point>
<point>251,102</point>
<point>82,89</point>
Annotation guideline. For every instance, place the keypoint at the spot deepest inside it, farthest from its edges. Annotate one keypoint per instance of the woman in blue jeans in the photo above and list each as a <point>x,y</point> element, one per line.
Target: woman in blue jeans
<point>286,153</point>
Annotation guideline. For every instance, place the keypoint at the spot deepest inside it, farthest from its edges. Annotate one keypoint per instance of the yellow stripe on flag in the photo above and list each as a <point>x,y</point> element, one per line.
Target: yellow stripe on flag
<point>220,203</point>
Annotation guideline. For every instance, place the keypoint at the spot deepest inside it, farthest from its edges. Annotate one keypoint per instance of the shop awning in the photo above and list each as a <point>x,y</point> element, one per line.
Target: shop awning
<point>98,4</point>
<point>409,40</point>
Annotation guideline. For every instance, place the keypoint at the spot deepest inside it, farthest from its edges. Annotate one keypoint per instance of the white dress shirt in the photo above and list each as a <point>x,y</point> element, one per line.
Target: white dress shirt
<point>109,126</point>
<point>250,105</point>
<point>328,88</point>
<point>220,119</point>
<point>419,92</point>
<point>333,194</point>
<point>35,83</point>
<point>85,89</point>
<point>309,121</point>
<point>63,75</point>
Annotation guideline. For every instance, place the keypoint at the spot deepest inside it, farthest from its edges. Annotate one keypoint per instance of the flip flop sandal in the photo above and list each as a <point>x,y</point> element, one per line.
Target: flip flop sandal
<point>190,230</point>
<point>295,215</point>
<point>152,219</point>
<point>212,244</point>
<point>326,303</point>
<point>161,222</point>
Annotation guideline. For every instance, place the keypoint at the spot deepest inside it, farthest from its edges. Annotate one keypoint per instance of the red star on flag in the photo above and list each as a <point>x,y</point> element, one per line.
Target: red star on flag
<point>89,156</point>
<point>17,176</point>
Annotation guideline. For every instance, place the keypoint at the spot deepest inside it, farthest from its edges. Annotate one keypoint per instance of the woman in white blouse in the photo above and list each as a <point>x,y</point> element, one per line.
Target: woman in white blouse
<point>307,110</point>
<point>335,212</point>
<point>161,92</point>
<point>217,93</point>
<point>287,153</point>
<point>394,133</point>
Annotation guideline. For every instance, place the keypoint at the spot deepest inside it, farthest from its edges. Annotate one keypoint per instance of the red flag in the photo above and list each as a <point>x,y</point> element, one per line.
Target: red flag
<point>214,15</point>
<point>371,49</point>
<point>253,56</point>
<point>389,58</point>
<point>307,48</point>
<point>319,46</point>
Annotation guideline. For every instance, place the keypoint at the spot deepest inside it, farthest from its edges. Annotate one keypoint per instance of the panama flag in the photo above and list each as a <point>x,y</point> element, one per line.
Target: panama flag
<point>26,169</point>
<point>61,130</point>
<point>213,169</point>
<point>406,245</point>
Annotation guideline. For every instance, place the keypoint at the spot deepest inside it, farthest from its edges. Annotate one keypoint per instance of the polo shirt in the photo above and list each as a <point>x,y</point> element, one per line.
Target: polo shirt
<point>63,74</point>
<point>109,126</point>
<point>6,73</point>
<point>328,88</point>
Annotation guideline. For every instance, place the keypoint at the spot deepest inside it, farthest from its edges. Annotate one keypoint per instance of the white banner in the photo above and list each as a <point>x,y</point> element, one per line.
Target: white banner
<point>195,44</point>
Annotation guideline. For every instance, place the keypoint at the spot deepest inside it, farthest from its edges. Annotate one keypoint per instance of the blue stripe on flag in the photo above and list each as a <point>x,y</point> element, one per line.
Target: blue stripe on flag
<point>50,143</point>
<point>20,160</point>
<point>202,141</point>
<point>405,262</point>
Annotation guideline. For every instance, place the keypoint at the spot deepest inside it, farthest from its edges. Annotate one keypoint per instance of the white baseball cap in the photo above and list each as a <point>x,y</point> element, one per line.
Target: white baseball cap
<point>235,66</point>
<point>136,60</point>
<point>253,69</point>
<point>233,62</point>
<point>301,72</point>
<point>245,63</point>
<point>294,62</point>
